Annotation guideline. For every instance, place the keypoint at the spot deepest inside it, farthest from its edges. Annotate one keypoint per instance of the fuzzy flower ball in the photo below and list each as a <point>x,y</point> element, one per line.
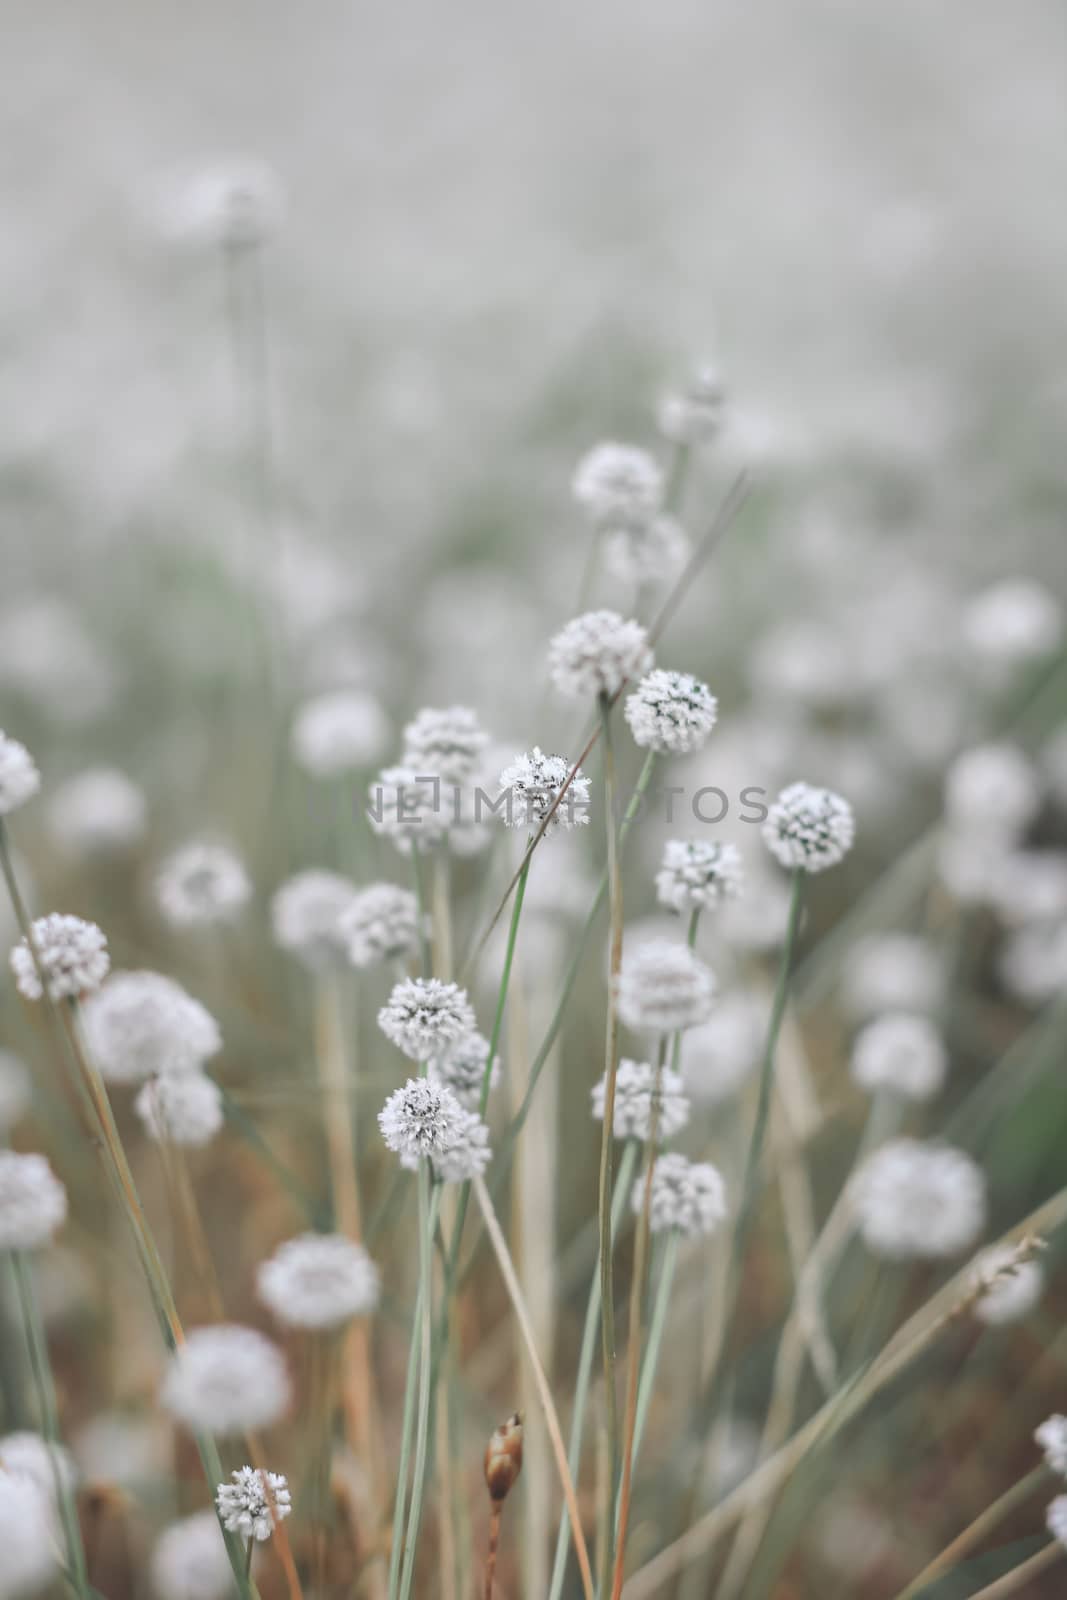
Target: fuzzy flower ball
<point>181,1108</point>
<point>655,553</point>
<point>411,809</point>
<point>462,1068</point>
<point>425,1119</point>
<point>449,742</point>
<point>190,1561</point>
<point>202,885</point>
<point>663,988</point>
<point>27,1538</point>
<point>307,914</point>
<point>720,1054</point>
<point>688,1197</point>
<point>694,414</point>
<point>1056,1519</point>
<point>618,485</point>
<point>698,874</point>
<point>318,1280</point>
<point>901,1054</point>
<point>143,1025</point>
<point>253,1502</point>
<point>33,1202</point>
<point>596,653</point>
<point>423,1016</point>
<point>72,955</point>
<point>226,1379</point>
<point>634,1095</point>
<point>380,924</point>
<point>809,829</point>
<point>919,1200</point>
<point>1010,1286</point>
<point>1052,1437</point>
<point>100,812</point>
<point>19,777</point>
<point>1015,621</point>
<point>531,786</point>
<point>992,791</point>
<point>27,1455</point>
<point>343,731</point>
<point>671,713</point>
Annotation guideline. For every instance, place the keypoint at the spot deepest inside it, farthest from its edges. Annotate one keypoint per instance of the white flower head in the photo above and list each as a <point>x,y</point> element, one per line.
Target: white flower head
<point>1056,1519</point>
<point>449,742</point>
<point>307,914</point>
<point>902,1054</point>
<point>914,1199</point>
<point>462,1066</point>
<point>720,1054</point>
<point>694,415</point>
<point>423,1016</point>
<point>1009,1285</point>
<point>33,1202</point>
<point>618,485</point>
<point>72,955</point>
<point>27,1538</point>
<point>688,1197</point>
<point>1052,1437</point>
<point>15,1091</point>
<point>992,791</point>
<point>809,829</point>
<point>412,809</point>
<point>342,731</point>
<point>238,203</point>
<point>596,653</point>
<point>253,1502</point>
<point>655,552</point>
<point>671,712</point>
<point>634,1098</point>
<point>29,1456</point>
<point>226,1379</point>
<point>143,1025</point>
<point>381,924</point>
<point>1033,962</point>
<point>319,1280</point>
<point>698,874</point>
<point>531,786</point>
<point>663,987</point>
<point>893,972</point>
<point>426,1120</point>
<point>201,885</point>
<point>190,1560</point>
<point>19,777</point>
<point>1013,622</point>
<point>100,812</point>
<point>181,1108</point>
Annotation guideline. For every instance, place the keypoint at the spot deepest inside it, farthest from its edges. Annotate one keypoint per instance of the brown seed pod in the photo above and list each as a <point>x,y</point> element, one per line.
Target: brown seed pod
<point>503,1458</point>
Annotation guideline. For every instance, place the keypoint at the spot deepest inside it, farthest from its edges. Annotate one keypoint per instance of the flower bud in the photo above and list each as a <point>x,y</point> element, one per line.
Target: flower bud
<point>503,1458</point>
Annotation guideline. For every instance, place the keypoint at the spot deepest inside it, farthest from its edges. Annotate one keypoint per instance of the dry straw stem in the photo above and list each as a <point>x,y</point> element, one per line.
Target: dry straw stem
<point>910,1340</point>
<point>511,1282</point>
<point>1015,1581</point>
<point>972,1535</point>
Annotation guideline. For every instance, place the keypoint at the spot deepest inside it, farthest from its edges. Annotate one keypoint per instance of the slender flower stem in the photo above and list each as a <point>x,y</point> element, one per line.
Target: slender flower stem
<point>248,1554</point>
<point>655,1336</point>
<point>429,1204</point>
<point>425,950</point>
<point>407,1435</point>
<point>975,1532</point>
<point>1017,1580</point>
<point>442,918</point>
<point>611,1068</point>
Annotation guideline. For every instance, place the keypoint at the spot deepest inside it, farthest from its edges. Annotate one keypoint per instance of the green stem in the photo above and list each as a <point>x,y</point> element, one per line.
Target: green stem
<point>607,1141</point>
<point>407,1433</point>
<point>425,951</point>
<point>655,1336</point>
<point>429,1203</point>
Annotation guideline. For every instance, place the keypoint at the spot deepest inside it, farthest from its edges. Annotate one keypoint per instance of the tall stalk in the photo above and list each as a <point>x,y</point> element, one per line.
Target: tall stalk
<point>429,1204</point>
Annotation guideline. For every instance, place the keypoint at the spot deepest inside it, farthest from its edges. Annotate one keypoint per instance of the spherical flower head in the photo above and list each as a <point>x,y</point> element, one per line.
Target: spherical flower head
<point>663,988</point>
<point>237,203</point>
<point>343,731</point>
<point>1052,1437</point>
<point>1008,1283</point>
<point>809,829</point>
<point>33,1202</point>
<point>893,972</point>
<point>688,1197</point>
<point>462,1067</point>
<point>72,955</point>
<point>694,414</point>
<point>653,553</point>
<point>698,874</point>
<point>380,924</point>
<point>618,485</point>
<point>19,777</point>
<point>596,653</point>
<point>15,1091</point>
<point>1033,963</point>
<point>190,1560</point>
<point>468,1153</point>
<point>424,1120</point>
<point>143,1025</point>
<point>1056,1519</point>
<point>98,813</point>
<point>718,1056</point>
<point>202,885</point>
<point>992,791</point>
<point>900,1054</point>
<point>27,1538</point>
<point>671,713</point>
<point>181,1108</point>
<point>225,1380</point>
<point>26,1455</point>
<point>448,742</point>
<point>423,1016</point>
<point>253,1502</point>
<point>1012,623</point>
<point>409,808</point>
<point>531,786</point>
<point>917,1200</point>
<point>307,915</point>
<point>319,1280</point>
<point>635,1085</point>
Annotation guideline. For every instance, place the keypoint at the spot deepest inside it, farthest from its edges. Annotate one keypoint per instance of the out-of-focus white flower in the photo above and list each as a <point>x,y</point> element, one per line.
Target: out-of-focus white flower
<point>892,972</point>
<point>698,874</point>
<point>226,1379</point>
<point>634,1097</point>
<point>694,415</point>
<point>181,1108</point>
<point>1030,886</point>
<point>854,1537</point>
<point>1033,963</point>
<point>19,777</point>
<point>618,485</point>
<point>448,742</point>
<point>596,653</point>
<point>412,809</point>
<point>47,656</point>
<point>531,785</point>
<point>201,885</point>
<point>47,1466</point>
<point>655,552</point>
<point>124,1447</point>
<point>1052,1437</point>
<point>425,1119</point>
<point>381,924</point>
<point>423,1016</point>
<point>688,1197</point>
<point>462,1067</point>
<point>27,1539</point>
<point>804,664</point>
<point>254,1502</point>
<point>919,1200</point>
<point>190,1560</point>
<point>143,1025</point>
<point>72,955</point>
<point>991,791</point>
<point>308,913</point>
<point>809,829</point>
<point>719,1055</point>
<point>342,731</point>
<point>759,919</point>
<point>319,1280</point>
<point>1011,1285</point>
<point>1013,622</point>
<point>902,1054</point>
<point>1056,1519</point>
<point>33,1202</point>
<point>670,712</point>
<point>99,812</point>
<point>663,988</point>
<point>15,1093</point>
<point>238,203</point>
<point>970,864</point>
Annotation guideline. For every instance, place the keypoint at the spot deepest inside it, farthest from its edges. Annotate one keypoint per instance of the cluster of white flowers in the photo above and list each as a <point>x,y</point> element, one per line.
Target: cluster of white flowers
<point>19,777</point>
<point>409,808</point>
<point>1052,1437</point>
<point>902,1054</point>
<point>144,1025</point>
<point>72,956</point>
<point>991,793</point>
<point>253,1502</point>
<point>596,653</point>
<point>809,829</point>
<point>318,1280</point>
<point>424,1119</point>
<point>671,713</point>
<point>663,988</point>
<point>202,885</point>
<point>423,1016</point>
<point>533,783</point>
<point>381,924</point>
<point>448,742</point>
<point>1015,621</point>
<point>181,1108</point>
<point>190,1561</point>
<point>100,812</point>
<point>226,1379</point>
<point>340,732</point>
<point>308,913</point>
<point>618,486</point>
<point>635,1094</point>
<point>688,1197</point>
<point>462,1067</point>
<point>33,1202</point>
<point>919,1200</point>
<point>30,1457</point>
<point>27,1538</point>
<point>653,552</point>
<point>698,874</point>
